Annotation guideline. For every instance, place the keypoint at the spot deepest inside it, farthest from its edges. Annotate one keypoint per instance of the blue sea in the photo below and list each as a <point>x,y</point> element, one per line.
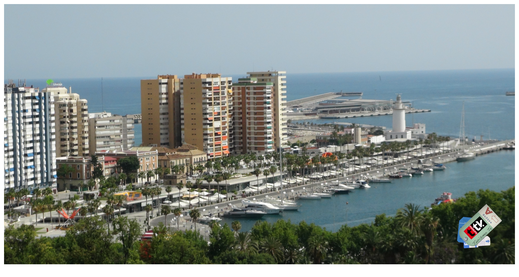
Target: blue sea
<point>488,112</point>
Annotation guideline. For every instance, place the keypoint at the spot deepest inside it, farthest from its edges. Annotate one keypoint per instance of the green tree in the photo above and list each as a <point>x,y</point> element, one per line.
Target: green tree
<point>177,212</point>
<point>165,210</point>
<point>108,210</point>
<point>128,232</point>
<point>129,164</point>
<point>236,226</point>
<point>194,214</point>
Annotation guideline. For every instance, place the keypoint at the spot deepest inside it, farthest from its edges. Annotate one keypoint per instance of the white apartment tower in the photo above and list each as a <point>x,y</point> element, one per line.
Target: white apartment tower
<point>279,89</point>
<point>71,123</point>
<point>110,132</point>
<point>29,138</point>
<point>252,116</point>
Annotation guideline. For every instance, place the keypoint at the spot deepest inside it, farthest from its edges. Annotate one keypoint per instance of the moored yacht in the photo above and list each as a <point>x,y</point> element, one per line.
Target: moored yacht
<point>466,156</point>
<point>237,212</point>
<point>261,206</point>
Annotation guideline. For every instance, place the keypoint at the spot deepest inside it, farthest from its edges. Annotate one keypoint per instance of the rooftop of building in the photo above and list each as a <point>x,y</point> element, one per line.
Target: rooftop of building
<point>202,76</point>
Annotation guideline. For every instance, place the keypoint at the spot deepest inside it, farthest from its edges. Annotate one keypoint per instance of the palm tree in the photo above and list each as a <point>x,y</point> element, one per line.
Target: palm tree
<point>189,185</point>
<point>49,205</point>
<point>168,190</point>
<point>67,206</point>
<point>10,196</point>
<point>37,206</point>
<point>194,214</point>
<point>257,172</point>
<point>266,172</point>
<point>142,175</point>
<point>158,171</point>
<point>165,210</point>
<point>148,209</point>
<point>179,187</point>
<point>177,212</point>
<point>149,174</point>
<point>83,212</point>
<point>132,177</point>
<point>108,210</point>
<point>244,243</point>
<point>95,204</point>
<point>36,193</point>
<point>146,192</point>
<point>118,201</point>
<point>123,177</point>
<point>317,248</point>
<point>198,183</point>
<point>236,226</point>
<point>428,225</point>
<point>272,246</point>
<point>409,217</point>
<point>57,207</point>
<point>218,179</point>
<point>209,179</point>
<point>273,170</point>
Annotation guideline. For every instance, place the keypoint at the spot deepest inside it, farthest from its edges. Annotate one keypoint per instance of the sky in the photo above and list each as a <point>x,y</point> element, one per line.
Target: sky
<point>92,41</point>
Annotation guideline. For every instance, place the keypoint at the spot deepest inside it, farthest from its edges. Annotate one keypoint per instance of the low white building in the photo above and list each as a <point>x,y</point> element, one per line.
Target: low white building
<point>418,130</point>
<point>376,139</point>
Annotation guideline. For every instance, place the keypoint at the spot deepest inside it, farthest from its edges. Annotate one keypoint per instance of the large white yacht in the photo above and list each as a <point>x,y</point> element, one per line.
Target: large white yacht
<point>261,206</point>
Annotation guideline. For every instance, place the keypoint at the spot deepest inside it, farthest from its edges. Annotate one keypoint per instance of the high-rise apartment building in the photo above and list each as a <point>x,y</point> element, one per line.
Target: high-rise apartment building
<point>29,138</point>
<point>279,89</point>
<point>206,112</point>
<point>160,108</point>
<point>253,116</point>
<point>110,132</point>
<point>72,121</point>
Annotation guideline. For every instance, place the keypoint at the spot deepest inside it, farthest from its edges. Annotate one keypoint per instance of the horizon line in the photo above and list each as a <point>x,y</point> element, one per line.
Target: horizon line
<point>226,74</point>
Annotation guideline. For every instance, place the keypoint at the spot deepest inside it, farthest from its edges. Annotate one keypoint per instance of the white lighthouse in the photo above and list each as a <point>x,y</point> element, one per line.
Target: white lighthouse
<point>399,130</point>
<point>398,115</point>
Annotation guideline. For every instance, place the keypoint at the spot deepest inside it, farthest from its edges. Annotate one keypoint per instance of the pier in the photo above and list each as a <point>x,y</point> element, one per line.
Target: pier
<point>366,113</point>
<point>312,99</point>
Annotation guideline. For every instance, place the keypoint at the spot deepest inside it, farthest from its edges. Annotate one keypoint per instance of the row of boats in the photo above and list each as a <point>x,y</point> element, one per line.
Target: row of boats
<point>404,172</point>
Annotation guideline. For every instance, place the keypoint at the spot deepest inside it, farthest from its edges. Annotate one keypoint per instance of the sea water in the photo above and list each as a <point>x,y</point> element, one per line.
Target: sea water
<point>488,111</point>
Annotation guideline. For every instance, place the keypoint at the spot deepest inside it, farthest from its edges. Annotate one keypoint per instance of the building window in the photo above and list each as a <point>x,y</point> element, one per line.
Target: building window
<point>70,175</point>
<point>78,175</point>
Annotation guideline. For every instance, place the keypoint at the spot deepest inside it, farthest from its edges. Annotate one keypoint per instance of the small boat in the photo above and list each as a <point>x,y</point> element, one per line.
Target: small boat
<point>509,146</point>
<point>395,176</point>
<point>428,170</point>
<point>323,194</point>
<point>207,219</point>
<point>365,186</point>
<point>446,197</point>
<point>417,172</point>
<point>467,156</point>
<point>337,190</point>
<point>376,180</point>
<point>439,167</point>
<point>309,197</point>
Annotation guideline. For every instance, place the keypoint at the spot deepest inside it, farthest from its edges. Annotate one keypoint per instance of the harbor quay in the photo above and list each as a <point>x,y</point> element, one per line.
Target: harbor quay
<point>47,224</point>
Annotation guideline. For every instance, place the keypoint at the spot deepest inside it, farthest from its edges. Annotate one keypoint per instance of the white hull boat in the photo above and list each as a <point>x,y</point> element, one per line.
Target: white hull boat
<point>323,194</point>
<point>309,197</point>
